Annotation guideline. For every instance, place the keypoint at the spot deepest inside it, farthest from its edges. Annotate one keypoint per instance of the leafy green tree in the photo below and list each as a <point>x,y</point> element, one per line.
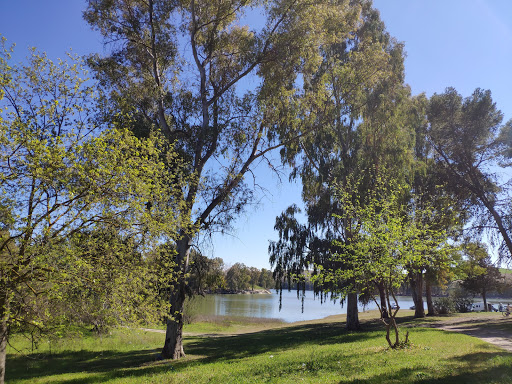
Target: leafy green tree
<point>481,275</point>
<point>389,240</point>
<point>62,174</point>
<point>225,93</point>
<point>255,276</point>
<point>206,275</point>
<point>238,277</point>
<point>470,141</point>
<point>112,278</point>
<point>265,279</point>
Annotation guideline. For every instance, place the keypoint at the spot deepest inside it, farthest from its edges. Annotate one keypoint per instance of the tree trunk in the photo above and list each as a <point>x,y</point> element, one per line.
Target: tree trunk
<point>498,220</point>
<point>484,296</point>
<point>383,306</point>
<point>416,280</point>
<point>3,349</point>
<point>428,291</point>
<point>352,313</point>
<point>3,336</point>
<point>173,347</point>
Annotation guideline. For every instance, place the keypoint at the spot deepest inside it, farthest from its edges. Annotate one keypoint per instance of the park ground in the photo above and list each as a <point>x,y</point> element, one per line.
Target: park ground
<point>449,349</point>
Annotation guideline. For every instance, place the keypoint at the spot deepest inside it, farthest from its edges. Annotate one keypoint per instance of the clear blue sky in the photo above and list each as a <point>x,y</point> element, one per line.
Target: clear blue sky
<point>461,43</point>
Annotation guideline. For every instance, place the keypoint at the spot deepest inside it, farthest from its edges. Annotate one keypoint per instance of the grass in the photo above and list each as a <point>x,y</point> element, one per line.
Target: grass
<point>230,324</point>
<point>318,351</point>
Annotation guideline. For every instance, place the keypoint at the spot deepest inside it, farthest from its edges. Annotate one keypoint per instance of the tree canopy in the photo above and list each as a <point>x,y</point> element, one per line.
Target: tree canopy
<point>62,175</point>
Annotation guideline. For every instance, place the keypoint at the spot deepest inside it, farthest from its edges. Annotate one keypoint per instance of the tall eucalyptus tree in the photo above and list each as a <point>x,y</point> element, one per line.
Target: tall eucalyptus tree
<point>366,126</point>
<point>224,92</point>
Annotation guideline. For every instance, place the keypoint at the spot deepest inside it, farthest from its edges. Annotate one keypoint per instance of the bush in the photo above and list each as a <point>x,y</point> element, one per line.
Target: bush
<point>444,305</point>
<point>462,300</point>
<point>192,309</point>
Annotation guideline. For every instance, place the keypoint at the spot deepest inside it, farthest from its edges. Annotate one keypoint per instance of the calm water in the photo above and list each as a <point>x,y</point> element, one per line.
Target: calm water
<point>267,306</point>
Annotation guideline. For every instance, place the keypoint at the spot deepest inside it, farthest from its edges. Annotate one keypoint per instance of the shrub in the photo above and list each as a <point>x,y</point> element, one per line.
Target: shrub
<point>444,305</point>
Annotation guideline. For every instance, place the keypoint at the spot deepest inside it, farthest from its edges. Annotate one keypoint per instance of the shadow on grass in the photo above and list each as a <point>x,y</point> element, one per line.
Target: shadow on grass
<point>420,375</point>
<point>108,365</point>
<point>239,346</point>
<point>37,365</point>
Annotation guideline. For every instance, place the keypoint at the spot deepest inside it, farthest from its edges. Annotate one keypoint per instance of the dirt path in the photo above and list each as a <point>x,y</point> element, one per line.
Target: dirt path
<point>493,328</point>
<point>190,333</point>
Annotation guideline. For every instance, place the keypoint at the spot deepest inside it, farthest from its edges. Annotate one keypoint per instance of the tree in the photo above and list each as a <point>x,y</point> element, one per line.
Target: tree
<point>470,141</point>
<point>366,124</point>
<point>206,275</point>
<point>234,95</point>
<point>255,275</point>
<point>481,275</point>
<point>112,278</point>
<point>265,279</point>
<point>62,174</point>
<point>389,240</point>
<point>238,277</point>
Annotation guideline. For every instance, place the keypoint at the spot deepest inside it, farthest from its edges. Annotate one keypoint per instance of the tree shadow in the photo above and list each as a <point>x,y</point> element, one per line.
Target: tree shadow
<point>497,373</point>
<point>239,346</point>
<point>46,364</point>
<point>110,364</point>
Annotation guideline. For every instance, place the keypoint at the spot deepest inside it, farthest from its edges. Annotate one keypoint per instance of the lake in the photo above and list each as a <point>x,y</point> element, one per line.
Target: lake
<point>267,306</point>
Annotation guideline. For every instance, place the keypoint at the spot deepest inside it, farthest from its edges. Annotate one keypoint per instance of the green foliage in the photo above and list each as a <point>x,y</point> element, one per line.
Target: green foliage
<point>81,203</point>
<point>445,305</point>
<point>366,123</point>
<point>387,241</point>
<point>481,276</point>
<point>470,141</point>
<point>238,277</point>
<point>265,280</point>
<point>228,94</point>
<point>206,275</point>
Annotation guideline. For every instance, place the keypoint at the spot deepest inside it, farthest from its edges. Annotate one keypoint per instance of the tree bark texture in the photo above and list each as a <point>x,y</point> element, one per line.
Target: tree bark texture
<point>428,293</point>
<point>383,306</point>
<point>3,349</point>
<point>173,347</point>
<point>352,313</point>
<point>3,336</point>
<point>416,280</point>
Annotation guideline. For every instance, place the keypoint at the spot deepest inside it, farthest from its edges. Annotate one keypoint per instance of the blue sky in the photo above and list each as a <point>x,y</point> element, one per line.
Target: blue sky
<point>461,43</point>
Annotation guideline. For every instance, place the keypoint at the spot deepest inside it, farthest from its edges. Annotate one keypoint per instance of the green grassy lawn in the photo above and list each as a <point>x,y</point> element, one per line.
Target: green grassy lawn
<point>310,352</point>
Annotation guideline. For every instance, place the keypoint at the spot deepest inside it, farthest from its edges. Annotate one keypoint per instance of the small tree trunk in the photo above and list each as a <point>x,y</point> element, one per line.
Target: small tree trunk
<point>397,333</point>
<point>3,349</point>
<point>428,291</point>
<point>352,313</point>
<point>388,331</point>
<point>3,335</point>
<point>173,347</point>
<point>416,280</point>
<point>484,296</point>
<point>383,306</point>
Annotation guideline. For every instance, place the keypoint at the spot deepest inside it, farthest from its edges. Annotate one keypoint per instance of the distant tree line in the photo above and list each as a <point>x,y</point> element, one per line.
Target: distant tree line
<point>213,276</point>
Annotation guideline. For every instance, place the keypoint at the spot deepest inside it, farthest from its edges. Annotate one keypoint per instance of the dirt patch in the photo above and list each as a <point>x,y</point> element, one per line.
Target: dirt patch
<point>493,327</point>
